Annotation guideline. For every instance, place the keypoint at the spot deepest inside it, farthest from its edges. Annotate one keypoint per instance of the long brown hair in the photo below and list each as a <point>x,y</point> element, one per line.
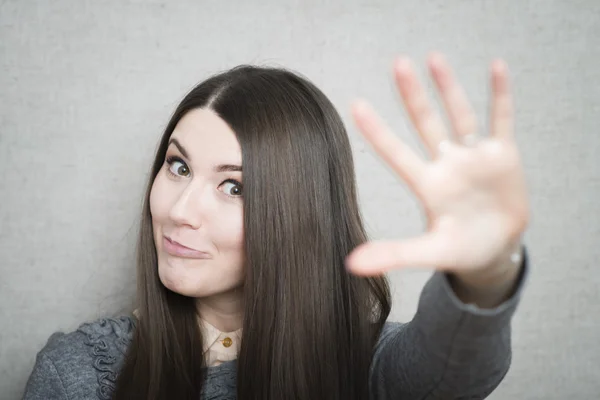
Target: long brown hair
<point>309,326</point>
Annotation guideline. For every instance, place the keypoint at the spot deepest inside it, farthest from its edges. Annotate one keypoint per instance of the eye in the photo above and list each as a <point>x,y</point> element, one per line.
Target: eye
<point>232,188</point>
<point>177,166</point>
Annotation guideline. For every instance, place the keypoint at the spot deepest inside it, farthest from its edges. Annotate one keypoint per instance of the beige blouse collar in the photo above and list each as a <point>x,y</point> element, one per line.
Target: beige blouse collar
<point>219,347</point>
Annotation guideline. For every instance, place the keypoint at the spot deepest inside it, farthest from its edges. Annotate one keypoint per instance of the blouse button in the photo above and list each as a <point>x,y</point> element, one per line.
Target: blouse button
<point>227,342</point>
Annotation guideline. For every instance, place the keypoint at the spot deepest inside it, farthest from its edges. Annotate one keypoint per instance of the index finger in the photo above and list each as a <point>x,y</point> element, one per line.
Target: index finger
<point>396,153</point>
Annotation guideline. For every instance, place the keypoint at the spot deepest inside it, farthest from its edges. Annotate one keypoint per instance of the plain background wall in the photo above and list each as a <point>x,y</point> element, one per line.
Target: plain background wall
<point>86,88</point>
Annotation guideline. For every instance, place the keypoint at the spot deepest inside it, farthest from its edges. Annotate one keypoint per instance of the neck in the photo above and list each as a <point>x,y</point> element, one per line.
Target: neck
<point>224,310</point>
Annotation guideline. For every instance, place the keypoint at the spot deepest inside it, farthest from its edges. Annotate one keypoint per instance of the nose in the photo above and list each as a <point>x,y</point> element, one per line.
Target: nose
<point>187,208</point>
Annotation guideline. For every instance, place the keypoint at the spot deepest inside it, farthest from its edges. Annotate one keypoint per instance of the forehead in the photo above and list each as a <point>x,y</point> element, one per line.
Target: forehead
<point>206,136</point>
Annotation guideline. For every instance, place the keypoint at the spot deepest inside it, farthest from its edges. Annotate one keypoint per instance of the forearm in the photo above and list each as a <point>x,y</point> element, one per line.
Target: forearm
<point>450,349</point>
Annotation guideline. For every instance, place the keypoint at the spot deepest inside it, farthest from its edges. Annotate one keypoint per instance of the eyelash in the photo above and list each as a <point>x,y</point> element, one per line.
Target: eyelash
<point>171,159</point>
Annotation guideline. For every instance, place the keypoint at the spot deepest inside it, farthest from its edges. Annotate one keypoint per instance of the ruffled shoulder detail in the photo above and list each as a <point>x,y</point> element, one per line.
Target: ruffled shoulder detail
<point>108,340</point>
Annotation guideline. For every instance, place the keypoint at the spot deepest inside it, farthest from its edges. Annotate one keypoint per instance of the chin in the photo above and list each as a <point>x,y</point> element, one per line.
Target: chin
<point>177,282</point>
<point>190,285</point>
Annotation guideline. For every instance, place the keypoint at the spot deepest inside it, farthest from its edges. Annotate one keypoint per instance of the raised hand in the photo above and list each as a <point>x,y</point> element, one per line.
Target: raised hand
<point>472,189</point>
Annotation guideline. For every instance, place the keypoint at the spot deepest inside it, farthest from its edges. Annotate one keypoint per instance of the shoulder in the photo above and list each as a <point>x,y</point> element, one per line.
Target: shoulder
<point>86,361</point>
<point>389,331</point>
<point>389,328</point>
<point>102,337</point>
<point>117,330</point>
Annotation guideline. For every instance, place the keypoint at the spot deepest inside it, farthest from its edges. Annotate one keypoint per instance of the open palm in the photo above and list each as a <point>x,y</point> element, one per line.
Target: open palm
<point>472,189</point>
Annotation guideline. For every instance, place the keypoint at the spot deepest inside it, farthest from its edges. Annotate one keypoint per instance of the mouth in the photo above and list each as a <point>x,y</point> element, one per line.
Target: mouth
<point>178,250</point>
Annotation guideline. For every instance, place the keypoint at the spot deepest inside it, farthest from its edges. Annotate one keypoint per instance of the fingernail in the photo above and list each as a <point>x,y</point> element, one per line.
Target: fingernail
<point>436,59</point>
<point>499,66</point>
<point>347,264</point>
<point>360,106</point>
<point>402,64</point>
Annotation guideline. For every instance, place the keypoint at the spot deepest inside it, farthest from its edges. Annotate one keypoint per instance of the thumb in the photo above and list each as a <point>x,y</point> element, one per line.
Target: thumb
<point>430,250</point>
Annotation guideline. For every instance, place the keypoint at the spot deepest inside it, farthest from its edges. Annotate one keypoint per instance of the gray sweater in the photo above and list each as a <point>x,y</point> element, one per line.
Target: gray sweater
<point>449,350</point>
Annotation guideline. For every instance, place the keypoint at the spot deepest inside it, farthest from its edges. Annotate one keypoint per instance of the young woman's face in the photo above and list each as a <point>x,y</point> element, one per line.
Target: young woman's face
<point>196,208</point>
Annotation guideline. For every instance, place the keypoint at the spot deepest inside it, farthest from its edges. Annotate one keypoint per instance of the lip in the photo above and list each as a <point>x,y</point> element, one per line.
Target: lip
<point>179,250</point>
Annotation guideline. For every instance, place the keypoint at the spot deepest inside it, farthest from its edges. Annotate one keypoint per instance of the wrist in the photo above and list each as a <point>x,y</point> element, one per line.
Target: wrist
<point>503,270</point>
<point>491,286</point>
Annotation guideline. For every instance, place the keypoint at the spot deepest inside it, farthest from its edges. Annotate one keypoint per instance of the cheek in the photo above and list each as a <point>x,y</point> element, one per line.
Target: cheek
<point>230,231</point>
<point>159,203</point>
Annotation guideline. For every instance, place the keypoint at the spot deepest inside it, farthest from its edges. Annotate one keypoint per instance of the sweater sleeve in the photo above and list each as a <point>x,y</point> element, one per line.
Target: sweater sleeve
<point>450,350</point>
<point>44,383</point>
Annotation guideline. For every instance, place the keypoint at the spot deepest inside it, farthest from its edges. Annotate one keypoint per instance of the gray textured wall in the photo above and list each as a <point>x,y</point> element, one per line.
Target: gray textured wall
<point>87,86</point>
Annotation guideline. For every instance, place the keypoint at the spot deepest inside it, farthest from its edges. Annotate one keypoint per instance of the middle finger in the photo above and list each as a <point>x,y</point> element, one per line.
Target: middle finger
<point>428,123</point>
<point>459,110</point>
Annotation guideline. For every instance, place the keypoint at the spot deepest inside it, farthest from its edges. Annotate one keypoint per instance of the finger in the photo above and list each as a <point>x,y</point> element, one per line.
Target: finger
<point>430,250</point>
<point>458,108</point>
<point>502,117</point>
<point>396,153</point>
<point>428,123</point>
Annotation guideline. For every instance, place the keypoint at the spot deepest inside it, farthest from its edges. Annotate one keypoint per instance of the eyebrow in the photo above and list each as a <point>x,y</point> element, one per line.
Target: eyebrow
<point>179,147</point>
<point>218,168</point>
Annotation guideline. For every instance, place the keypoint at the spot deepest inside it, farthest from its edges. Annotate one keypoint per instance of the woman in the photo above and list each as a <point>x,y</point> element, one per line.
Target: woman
<point>266,258</point>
